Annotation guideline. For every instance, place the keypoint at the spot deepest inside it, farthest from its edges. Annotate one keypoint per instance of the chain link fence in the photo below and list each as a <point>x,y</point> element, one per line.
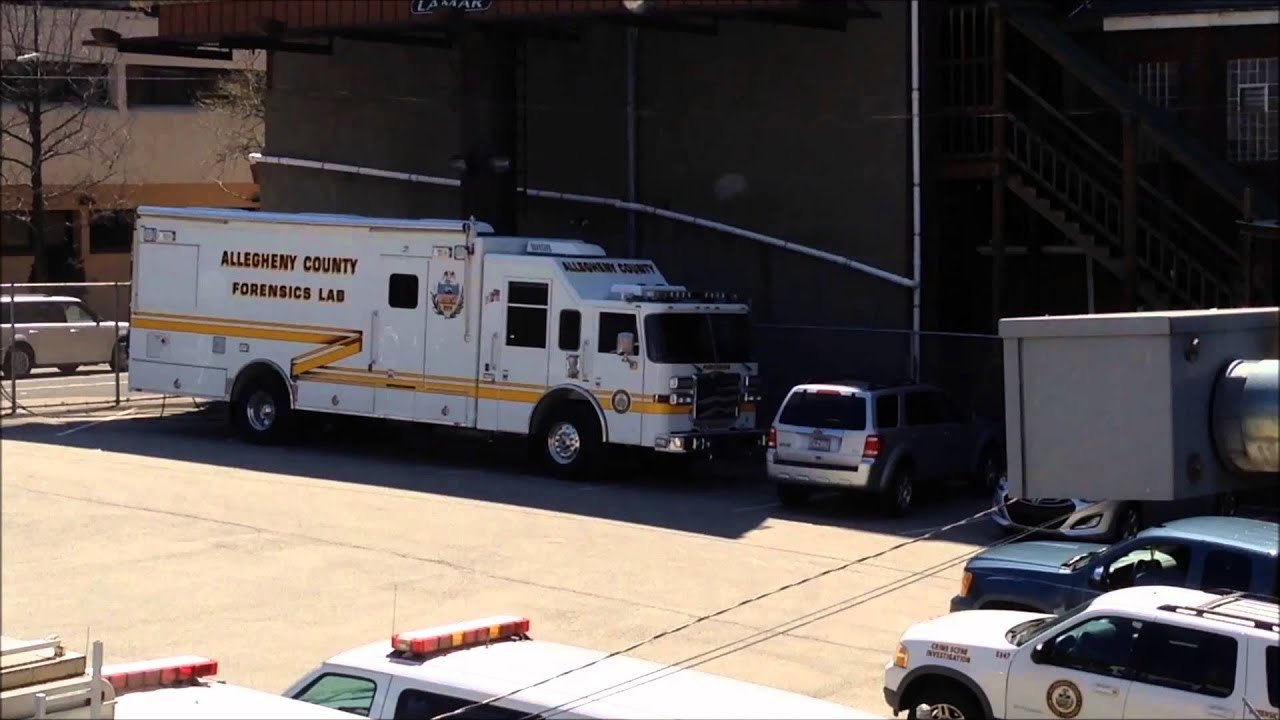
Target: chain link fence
<point>64,345</point>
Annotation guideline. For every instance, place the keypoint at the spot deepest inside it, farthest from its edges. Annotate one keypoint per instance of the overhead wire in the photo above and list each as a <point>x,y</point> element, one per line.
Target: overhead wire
<point>724,610</point>
<point>785,627</point>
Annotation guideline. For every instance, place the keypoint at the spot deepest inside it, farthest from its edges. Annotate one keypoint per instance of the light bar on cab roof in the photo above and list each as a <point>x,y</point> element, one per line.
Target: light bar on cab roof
<point>465,634</point>
<point>164,672</point>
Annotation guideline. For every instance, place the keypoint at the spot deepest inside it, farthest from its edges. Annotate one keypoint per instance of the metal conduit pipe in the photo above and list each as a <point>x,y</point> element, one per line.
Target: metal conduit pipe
<point>1245,416</point>
<point>607,202</point>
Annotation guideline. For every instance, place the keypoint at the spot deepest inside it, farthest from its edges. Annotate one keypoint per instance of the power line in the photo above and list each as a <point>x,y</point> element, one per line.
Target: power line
<point>786,626</point>
<point>713,615</point>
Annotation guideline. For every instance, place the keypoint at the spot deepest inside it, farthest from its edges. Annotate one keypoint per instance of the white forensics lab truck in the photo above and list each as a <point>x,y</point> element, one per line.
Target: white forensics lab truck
<point>435,321</point>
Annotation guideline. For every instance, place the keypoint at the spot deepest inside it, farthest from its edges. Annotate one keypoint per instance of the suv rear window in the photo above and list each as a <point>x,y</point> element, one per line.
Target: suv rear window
<point>825,410</point>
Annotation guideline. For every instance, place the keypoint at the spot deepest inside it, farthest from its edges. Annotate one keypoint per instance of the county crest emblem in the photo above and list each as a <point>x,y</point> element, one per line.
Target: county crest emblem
<point>447,299</point>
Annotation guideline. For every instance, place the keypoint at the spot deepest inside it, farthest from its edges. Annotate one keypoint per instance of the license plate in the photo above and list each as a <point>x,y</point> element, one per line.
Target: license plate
<point>820,443</point>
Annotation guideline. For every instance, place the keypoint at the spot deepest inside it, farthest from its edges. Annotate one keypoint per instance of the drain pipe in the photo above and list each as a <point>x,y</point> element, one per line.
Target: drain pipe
<point>606,202</point>
<point>633,180</point>
<point>915,190</point>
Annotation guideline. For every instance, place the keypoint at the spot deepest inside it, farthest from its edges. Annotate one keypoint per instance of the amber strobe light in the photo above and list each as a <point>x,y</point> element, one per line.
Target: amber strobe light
<point>459,635</point>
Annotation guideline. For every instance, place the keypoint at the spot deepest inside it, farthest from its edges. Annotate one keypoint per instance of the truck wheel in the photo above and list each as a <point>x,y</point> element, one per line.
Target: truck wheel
<point>947,700</point>
<point>569,441</point>
<point>120,358</point>
<point>260,410</point>
<point>18,362</point>
<point>899,492</point>
<point>791,495</point>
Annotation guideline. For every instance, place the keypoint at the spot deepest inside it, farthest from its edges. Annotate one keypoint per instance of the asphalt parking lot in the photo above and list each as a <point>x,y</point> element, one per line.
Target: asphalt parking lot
<point>157,533</point>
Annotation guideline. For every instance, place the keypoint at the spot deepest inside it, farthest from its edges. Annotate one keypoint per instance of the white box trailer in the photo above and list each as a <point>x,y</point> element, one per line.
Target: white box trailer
<point>435,321</point>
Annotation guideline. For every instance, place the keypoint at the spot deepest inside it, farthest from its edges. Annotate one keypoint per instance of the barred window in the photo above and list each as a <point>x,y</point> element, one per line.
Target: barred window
<point>1253,113</point>
<point>1159,83</point>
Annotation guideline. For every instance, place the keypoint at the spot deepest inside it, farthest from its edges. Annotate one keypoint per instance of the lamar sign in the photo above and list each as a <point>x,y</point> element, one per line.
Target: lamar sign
<point>426,7</point>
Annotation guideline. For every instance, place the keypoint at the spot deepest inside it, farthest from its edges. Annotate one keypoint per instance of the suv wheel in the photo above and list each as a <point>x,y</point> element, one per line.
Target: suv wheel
<point>987,474</point>
<point>120,357</point>
<point>899,492</point>
<point>791,495</point>
<point>1128,522</point>
<point>1228,504</point>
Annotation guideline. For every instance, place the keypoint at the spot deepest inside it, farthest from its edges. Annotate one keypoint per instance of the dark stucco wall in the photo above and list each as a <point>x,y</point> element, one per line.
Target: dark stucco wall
<point>802,134</point>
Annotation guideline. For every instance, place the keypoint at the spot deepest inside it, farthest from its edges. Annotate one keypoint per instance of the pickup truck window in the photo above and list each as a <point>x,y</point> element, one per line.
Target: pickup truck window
<point>347,693</point>
<point>1224,570</point>
<point>1101,646</point>
<point>422,705</point>
<point>1186,659</point>
<point>1150,564</point>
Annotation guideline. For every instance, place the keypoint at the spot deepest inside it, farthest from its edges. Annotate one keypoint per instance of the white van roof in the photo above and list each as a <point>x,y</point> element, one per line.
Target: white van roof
<point>233,214</point>
<point>619,687</point>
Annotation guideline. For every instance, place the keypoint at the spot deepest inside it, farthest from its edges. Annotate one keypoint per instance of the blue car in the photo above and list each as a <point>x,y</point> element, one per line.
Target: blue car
<point>1210,553</point>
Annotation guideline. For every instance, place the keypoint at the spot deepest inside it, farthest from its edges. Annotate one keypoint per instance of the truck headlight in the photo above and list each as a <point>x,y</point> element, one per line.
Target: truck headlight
<point>965,581</point>
<point>902,657</point>
<point>681,383</point>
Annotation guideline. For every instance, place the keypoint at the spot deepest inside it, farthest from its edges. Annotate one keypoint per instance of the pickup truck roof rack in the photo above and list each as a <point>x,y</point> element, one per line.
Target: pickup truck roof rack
<point>1238,608</point>
<point>41,678</point>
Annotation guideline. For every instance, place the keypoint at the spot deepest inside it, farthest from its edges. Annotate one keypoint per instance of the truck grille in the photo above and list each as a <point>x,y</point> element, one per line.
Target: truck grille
<point>716,396</point>
<point>1035,514</point>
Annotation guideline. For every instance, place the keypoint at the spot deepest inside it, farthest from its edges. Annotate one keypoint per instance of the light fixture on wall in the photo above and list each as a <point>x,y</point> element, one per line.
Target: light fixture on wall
<point>500,164</point>
<point>458,164</point>
<point>635,6</point>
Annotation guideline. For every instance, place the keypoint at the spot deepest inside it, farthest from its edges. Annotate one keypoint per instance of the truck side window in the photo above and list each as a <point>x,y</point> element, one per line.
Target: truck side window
<point>1273,676</point>
<point>1225,570</point>
<point>421,705</point>
<point>527,314</point>
<point>570,330</point>
<point>347,693</point>
<point>402,291</point>
<point>887,411</point>
<point>611,324</point>
<point>923,407</point>
<point>1186,659</point>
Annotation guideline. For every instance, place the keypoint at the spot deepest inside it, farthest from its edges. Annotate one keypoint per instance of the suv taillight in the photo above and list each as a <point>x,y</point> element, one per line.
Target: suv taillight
<point>871,448</point>
<point>771,441</point>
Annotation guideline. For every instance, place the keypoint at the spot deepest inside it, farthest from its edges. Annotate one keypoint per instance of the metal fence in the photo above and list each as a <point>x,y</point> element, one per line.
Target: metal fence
<point>55,355</point>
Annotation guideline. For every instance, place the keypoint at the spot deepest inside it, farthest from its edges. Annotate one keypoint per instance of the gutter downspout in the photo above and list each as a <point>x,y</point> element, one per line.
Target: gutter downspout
<point>915,190</point>
<point>633,179</point>
<point>595,200</point>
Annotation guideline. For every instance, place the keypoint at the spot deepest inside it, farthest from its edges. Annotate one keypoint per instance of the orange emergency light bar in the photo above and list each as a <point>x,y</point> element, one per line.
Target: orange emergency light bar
<point>164,672</point>
<point>459,635</point>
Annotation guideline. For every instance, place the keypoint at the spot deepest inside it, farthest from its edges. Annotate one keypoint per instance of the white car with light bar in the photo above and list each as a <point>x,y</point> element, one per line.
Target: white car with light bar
<point>886,439</point>
<point>43,679</point>
<point>1138,653</point>
<point>426,673</point>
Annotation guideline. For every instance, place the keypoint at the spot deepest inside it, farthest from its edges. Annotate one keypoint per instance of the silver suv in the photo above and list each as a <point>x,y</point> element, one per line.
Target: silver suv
<point>883,439</point>
<point>57,331</point>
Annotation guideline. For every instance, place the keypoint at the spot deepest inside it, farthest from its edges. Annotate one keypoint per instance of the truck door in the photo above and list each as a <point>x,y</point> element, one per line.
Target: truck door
<point>449,387</point>
<point>617,376</point>
<point>399,328</point>
<point>514,360</point>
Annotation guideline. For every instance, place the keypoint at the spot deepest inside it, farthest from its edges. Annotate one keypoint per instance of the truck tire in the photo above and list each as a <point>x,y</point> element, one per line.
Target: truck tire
<point>18,361</point>
<point>260,411</point>
<point>569,442</point>
<point>120,357</point>
<point>899,492</point>
<point>946,699</point>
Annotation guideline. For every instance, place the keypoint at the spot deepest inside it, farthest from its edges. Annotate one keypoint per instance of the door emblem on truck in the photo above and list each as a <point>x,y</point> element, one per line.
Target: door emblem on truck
<point>447,299</point>
<point>1064,699</point>
<point>621,401</point>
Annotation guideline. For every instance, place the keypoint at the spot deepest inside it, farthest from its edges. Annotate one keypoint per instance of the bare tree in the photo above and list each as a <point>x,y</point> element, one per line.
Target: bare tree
<point>237,112</point>
<point>59,137</point>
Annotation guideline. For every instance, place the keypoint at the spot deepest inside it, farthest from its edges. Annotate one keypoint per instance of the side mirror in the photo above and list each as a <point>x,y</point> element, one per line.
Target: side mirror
<point>1039,653</point>
<point>626,345</point>
<point>1099,576</point>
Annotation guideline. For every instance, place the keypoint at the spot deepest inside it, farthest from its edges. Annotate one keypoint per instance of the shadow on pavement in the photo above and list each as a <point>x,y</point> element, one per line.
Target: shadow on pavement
<point>721,499</point>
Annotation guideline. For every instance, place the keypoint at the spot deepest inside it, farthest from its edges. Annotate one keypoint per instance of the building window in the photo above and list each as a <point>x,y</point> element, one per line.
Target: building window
<point>1158,83</point>
<point>55,83</point>
<point>111,232</point>
<point>157,85</point>
<point>1253,112</point>
<point>17,233</point>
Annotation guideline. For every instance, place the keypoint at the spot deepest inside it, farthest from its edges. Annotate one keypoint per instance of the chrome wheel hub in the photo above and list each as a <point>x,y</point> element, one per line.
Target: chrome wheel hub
<point>904,492</point>
<point>20,362</point>
<point>261,411</point>
<point>944,711</point>
<point>564,443</point>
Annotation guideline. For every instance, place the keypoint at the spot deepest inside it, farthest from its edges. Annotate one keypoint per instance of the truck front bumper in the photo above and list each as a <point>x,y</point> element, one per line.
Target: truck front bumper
<point>710,442</point>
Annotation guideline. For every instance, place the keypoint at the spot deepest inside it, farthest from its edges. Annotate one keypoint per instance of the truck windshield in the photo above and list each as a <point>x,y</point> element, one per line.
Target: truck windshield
<point>677,338</point>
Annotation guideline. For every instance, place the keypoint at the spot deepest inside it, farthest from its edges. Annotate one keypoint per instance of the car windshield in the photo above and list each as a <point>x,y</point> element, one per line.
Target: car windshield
<point>1024,632</point>
<point>677,338</point>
